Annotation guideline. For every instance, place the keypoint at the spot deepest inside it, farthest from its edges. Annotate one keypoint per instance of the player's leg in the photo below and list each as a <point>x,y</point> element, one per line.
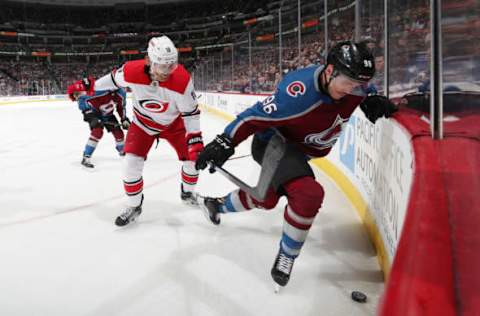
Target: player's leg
<point>236,201</point>
<point>137,145</point>
<point>305,197</point>
<point>96,133</point>
<point>119,140</point>
<point>175,136</point>
<point>292,165</point>
<point>113,126</point>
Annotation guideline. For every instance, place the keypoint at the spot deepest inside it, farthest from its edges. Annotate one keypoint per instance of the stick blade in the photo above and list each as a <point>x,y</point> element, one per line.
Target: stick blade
<point>271,160</point>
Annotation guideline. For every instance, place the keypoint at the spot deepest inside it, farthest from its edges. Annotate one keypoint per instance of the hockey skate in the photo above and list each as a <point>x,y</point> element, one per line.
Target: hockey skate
<point>210,207</point>
<point>86,162</point>
<point>282,267</point>
<point>187,197</point>
<point>129,215</point>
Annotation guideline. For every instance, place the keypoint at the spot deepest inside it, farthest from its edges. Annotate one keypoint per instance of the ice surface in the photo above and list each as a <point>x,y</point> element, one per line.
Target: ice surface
<point>61,254</point>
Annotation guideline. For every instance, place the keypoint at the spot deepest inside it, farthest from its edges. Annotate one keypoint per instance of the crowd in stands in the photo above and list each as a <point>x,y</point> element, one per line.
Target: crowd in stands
<point>39,78</point>
<point>261,71</point>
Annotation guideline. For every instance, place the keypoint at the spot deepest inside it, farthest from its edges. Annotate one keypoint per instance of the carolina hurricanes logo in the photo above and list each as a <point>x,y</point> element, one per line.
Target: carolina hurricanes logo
<point>328,137</point>
<point>154,106</point>
<point>295,88</point>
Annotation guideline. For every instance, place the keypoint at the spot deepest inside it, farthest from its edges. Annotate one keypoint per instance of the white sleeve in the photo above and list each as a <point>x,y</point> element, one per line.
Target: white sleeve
<point>112,81</point>
<point>188,106</point>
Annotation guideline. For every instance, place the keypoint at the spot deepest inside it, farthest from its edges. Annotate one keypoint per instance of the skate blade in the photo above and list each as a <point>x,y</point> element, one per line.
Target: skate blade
<point>277,288</point>
<point>206,213</point>
<point>132,223</point>
<point>88,169</point>
<point>191,203</point>
<point>204,209</point>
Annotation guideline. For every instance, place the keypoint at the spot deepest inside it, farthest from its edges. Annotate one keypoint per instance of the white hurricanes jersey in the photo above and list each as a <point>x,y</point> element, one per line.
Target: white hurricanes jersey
<point>156,104</point>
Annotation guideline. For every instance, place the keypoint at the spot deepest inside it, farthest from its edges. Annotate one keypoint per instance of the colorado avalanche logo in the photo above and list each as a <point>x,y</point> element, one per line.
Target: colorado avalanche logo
<point>328,137</point>
<point>107,108</point>
<point>154,106</point>
<point>296,88</point>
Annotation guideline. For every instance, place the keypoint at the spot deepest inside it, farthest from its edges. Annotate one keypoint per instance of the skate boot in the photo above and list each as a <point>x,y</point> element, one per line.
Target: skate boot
<point>187,197</point>
<point>86,162</point>
<point>211,209</point>
<point>121,153</point>
<point>129,215</point>
<point>282,267</point>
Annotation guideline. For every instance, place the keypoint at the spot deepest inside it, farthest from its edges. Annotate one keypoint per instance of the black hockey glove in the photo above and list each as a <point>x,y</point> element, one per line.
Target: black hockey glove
<point>376,106</point>
<point>125,123</point>
<point>217,151</point>
<point>92,119</point>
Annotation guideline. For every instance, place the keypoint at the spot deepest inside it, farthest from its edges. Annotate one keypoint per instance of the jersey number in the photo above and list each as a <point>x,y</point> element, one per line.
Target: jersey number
<point>268,105</point>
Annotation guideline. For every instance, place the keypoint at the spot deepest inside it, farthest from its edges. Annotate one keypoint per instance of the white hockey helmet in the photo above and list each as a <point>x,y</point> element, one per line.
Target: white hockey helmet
<point>161,50</point>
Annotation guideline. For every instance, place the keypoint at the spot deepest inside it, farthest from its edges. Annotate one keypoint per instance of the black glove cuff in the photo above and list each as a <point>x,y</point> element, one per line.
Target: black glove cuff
<point>224,140</point>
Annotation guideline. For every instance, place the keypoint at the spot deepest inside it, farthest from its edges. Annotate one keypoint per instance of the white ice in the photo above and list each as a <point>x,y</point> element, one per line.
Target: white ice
<point>61,254</point>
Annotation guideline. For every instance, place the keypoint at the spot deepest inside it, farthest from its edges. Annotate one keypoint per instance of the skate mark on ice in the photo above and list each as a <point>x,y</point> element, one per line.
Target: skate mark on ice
<point>84,206</point>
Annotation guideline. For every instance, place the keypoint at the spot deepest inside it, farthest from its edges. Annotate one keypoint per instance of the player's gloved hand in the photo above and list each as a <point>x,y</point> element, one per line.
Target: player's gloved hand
<point>376,106</point>
<point>92,119</point>
<point>217,151</point>
<point>126,123</point>
<point>194,145</point>
<point>88,115</point>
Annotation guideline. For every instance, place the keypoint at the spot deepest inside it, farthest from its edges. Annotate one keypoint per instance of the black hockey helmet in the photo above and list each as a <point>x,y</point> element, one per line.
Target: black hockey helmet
<point>353,60</point>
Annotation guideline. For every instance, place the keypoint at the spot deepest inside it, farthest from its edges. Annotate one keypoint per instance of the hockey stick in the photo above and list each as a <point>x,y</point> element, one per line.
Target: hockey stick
<point>238,157</point>
<point>271,160</point>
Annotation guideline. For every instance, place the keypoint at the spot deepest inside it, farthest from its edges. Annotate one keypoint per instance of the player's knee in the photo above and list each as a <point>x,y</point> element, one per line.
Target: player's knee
<point>305,194</point>
<point>269,202</point>
<point>97,132</point>
<point>95,123</point>
<point>118,134</point>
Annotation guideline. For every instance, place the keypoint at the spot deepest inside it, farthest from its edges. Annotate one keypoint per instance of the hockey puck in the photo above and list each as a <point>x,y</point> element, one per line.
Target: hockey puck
<point>358,296</point>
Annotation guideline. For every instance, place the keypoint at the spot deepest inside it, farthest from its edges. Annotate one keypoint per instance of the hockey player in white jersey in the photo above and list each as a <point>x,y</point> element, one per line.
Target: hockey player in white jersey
<point>164,106</point>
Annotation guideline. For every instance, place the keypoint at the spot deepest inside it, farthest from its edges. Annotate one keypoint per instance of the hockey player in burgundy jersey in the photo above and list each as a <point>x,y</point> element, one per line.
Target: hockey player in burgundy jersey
<point>164,106</point>
<point>98,111</point>
<point>308,109</point>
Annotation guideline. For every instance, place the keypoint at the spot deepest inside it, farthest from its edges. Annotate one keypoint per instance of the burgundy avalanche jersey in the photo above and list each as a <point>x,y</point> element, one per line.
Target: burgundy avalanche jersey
<point>300,112</point>
<point>105,102</point>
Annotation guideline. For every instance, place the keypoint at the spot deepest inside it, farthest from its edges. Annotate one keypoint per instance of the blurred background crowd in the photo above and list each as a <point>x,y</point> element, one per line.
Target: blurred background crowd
<point>232,46</point>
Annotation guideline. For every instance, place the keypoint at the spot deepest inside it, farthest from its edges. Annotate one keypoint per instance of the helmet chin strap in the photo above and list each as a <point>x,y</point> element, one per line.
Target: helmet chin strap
<point>324,89</point>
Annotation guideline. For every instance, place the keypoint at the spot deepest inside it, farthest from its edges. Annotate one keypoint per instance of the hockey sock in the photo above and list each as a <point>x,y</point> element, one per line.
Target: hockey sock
<point>239,201</point>
<point>189,176</point>
<point>305,197</point>
<point>133,180</point>
<point>90,147</point>
<point>134,190</point>
<point>95,136</point>
<point>119,145</point>
<point>294,232</point>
